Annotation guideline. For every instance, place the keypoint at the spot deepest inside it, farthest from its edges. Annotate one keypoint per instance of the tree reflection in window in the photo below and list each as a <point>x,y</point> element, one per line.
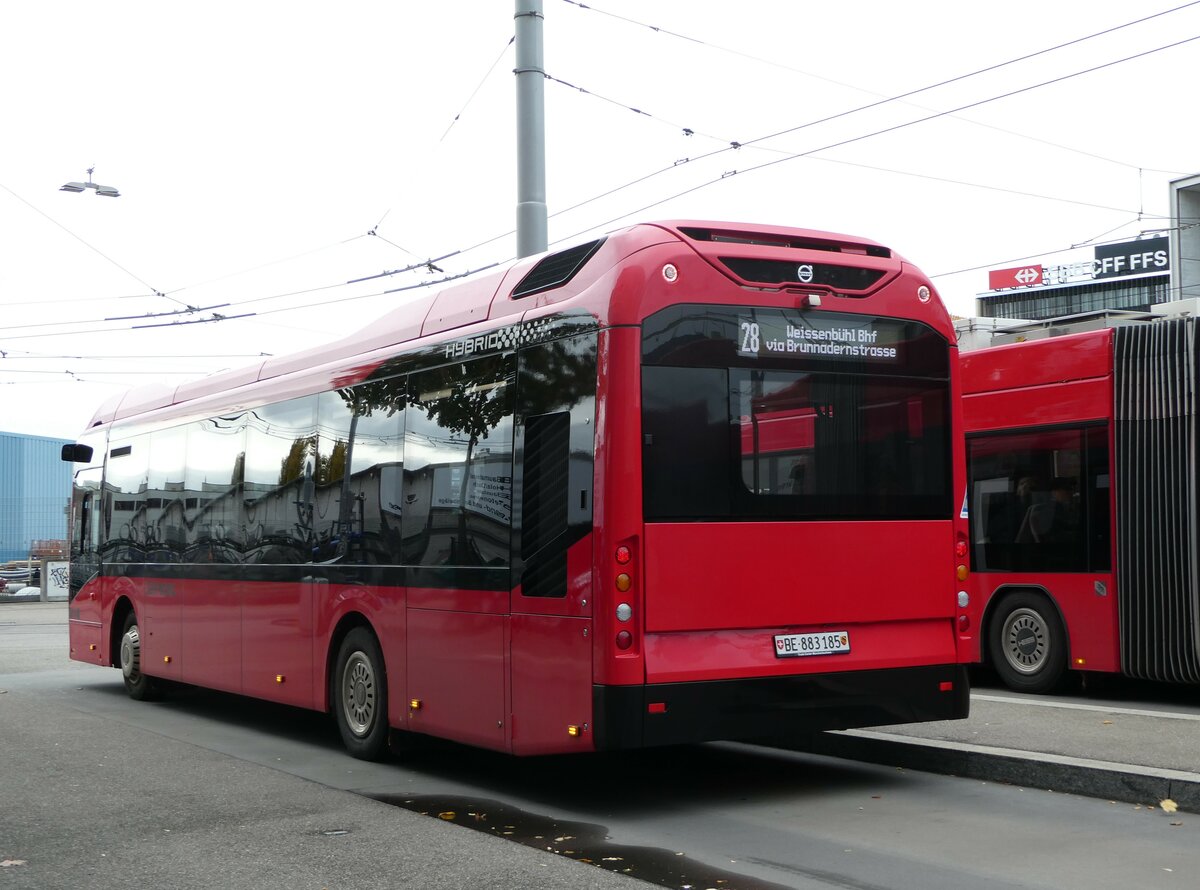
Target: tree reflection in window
<point>359,485</point>
<point>458,464</point>
<point>280,482</point>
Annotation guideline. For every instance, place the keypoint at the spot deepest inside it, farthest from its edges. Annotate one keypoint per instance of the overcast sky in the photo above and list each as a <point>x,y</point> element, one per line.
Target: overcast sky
<point>257,144</point>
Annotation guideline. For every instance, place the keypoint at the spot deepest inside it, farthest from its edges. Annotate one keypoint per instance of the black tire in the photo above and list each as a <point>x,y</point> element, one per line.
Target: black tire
<point>1027,643</point>
<point>359,695</point>
<point>139,686</point>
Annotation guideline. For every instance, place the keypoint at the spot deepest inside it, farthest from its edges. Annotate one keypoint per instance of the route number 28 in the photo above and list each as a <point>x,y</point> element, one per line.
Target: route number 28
<point>750,337</point>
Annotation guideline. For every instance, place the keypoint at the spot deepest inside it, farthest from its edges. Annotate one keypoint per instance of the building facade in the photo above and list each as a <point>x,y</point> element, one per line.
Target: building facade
<point>35,493</point>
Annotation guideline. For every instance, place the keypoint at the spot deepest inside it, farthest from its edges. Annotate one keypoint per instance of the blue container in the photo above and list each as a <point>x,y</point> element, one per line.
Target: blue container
<point>35,491</point>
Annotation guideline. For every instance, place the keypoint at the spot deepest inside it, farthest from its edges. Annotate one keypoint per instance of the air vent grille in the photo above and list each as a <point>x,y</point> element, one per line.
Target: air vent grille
<point>840,278</point>
<point>719,236</point>
<point>556,270</point>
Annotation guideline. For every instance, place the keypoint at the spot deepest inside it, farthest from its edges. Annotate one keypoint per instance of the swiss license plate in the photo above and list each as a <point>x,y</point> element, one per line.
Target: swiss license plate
<point>829,642</point>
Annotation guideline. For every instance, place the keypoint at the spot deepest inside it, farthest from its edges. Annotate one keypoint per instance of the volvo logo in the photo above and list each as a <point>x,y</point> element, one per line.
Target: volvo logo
<point>805,272</point>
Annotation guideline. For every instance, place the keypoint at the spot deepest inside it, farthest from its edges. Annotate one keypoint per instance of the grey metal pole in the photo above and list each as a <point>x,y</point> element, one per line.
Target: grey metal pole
<point>531,130</point>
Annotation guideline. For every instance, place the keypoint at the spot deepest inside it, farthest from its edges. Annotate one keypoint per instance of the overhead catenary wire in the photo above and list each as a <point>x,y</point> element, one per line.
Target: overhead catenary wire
<point>891,129</point>
<point>702,185</point>
<point>155,292</point>
<point>478,87</point>
<point>897,98</point>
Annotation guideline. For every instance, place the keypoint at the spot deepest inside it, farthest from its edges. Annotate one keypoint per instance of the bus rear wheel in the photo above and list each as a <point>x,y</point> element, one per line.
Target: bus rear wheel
<point>139,686</point>
<point>360,695</point>
<point>1027,643</point>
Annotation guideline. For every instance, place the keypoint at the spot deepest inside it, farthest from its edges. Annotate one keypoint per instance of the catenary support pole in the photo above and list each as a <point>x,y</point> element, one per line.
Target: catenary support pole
<point>531,130</point>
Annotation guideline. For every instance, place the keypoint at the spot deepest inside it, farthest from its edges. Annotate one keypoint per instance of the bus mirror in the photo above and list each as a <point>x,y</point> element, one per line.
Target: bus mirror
<point>77,454</point>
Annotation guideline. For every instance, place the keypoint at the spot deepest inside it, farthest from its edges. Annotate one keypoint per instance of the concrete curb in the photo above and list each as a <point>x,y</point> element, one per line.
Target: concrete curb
<point>26,598</point>
<point>1053,772</point>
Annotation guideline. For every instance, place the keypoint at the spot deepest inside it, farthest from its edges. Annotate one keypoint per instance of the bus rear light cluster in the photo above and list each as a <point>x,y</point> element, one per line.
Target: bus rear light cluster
<point>961,549</point>
<point>624,582</point>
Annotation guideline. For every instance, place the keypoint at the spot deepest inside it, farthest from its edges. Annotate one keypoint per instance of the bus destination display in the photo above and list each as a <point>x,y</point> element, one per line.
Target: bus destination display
<point>772,336</point>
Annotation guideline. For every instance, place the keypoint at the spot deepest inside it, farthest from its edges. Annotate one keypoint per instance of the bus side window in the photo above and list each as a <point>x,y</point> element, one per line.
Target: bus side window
<point>458,438</point>
<point>1037,501</point>
<point>359,491</point>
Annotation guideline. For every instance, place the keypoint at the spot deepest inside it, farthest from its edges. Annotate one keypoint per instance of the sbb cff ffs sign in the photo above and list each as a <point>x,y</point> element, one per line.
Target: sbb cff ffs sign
<point>1132,257</point>
<point>1018,276</point>
<point>1111,261</point>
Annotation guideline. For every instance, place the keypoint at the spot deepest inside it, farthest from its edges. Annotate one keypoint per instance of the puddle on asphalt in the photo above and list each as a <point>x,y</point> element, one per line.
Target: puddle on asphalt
<point>581,841</point>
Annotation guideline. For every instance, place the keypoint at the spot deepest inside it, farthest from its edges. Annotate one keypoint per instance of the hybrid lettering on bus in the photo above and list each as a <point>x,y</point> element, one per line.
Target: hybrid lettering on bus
<point>688,481</point>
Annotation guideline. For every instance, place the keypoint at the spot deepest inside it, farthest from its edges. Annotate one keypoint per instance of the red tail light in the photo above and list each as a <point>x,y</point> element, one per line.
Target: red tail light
<point>625,580</point>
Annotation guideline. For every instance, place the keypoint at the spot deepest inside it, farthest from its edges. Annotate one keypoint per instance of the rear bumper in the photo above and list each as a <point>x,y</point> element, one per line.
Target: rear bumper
<point>771,707</point>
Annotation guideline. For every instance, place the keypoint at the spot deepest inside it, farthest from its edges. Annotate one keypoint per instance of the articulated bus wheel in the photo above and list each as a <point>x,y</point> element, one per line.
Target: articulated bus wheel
<point>139,686</point>
<point>360,695</point>
<point>1027,643</point>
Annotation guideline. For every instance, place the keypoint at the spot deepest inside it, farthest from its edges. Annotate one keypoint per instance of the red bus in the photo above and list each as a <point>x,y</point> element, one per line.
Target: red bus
<point>1081,453</point>
<point>525,512</point>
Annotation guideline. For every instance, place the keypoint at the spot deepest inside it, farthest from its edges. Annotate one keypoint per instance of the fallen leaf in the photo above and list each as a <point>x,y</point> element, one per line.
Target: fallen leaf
<point>1108,723</point>
<point>9,863</point>
<point>1168,805</point>
<point>448,815</point>
<point>1176,824</point>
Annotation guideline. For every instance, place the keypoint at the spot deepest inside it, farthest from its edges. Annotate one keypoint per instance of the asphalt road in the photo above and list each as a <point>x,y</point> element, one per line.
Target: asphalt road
<point>206,789</point>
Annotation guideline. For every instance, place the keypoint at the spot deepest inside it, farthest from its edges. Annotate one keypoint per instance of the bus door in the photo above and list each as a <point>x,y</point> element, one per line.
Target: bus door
<point>551,602</point>
<point>85,624</point>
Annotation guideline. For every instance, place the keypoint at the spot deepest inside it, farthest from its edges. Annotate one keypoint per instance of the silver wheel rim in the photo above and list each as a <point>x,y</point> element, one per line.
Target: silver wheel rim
<point>1026,641</point>
<point>131,654</point>
<point>358,694</point>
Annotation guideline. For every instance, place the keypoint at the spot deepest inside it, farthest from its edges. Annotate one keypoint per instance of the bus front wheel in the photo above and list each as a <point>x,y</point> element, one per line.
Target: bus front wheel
<point>1027,643</point>
<point>360,695</point>
<point>139,686</point>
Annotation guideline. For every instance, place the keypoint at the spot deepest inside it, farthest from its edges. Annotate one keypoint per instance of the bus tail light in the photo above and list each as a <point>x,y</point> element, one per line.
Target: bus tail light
<point>624,580</point>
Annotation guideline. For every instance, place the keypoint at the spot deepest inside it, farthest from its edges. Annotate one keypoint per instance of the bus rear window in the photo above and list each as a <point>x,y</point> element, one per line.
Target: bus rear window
<point>799,438</point>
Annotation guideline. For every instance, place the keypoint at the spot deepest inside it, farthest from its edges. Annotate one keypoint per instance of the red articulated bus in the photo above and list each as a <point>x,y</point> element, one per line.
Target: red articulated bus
<point>1081,454</point>
<point>688,481</point>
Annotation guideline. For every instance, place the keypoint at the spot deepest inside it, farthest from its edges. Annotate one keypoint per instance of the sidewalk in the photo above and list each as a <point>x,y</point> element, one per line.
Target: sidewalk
<point>1114,751</point>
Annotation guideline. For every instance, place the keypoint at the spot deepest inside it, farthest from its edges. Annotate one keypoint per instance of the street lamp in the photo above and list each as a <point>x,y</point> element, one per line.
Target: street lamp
<point>107,190</point>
